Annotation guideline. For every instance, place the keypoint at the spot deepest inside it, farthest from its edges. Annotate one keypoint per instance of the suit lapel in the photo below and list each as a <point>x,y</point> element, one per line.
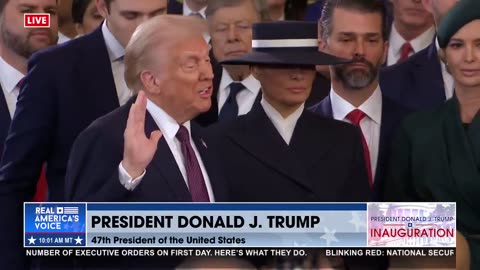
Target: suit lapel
<point>216,179</point>
<point>100,83</point>
<point>259,137</point>
<point>165,163</point>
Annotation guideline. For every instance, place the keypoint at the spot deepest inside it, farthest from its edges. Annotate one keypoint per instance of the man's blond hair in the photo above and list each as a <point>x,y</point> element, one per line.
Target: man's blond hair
<point>157,35</point>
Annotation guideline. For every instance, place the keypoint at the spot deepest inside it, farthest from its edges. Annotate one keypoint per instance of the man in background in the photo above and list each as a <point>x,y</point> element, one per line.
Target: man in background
<point>188,7</point>
<point>66,25</point>
<point>355,95</point>
<point>235,90</point>
<point>422,81</point>
<point>412,30</point>
<point>85,16</point>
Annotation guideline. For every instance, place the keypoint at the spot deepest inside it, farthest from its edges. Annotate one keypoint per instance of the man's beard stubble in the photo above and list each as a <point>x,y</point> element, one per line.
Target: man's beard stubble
<point>356,79</point>
<point>20,45</point>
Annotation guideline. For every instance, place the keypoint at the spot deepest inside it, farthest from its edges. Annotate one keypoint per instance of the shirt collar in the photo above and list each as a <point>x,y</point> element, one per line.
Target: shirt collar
<point>372,107</point>
<point>62,38</point>
<point>9,76</point>
<point>252,84</point>
<point>418,43</point>
<point>114,48</point>
<point>167,125</point>
<point>286,124</point>
<point>187,11</point>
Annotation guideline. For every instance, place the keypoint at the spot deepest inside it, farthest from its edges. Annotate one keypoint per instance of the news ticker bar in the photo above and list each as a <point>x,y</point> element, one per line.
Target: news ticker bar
<point>239,252</point>
<point>239,225</point>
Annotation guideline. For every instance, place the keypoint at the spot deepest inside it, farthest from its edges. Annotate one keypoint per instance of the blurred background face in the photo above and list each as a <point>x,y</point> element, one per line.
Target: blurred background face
<point>123,16</point>
<point>411,13</point>
<point>186,79</point>
<point>439,8</point>
<point>26,41</point>
<point>463,55</point>
<point>64,11</point>
<point>285,86</point>
<point>276,3</point>
<point>231,30</point>
<point>91,19</point>
<point>358,38</point>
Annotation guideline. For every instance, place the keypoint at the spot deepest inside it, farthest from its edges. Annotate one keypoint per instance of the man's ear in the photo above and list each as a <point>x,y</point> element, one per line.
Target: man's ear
<point>102,8</point>
<point>322,45</point>
<point>150,83</point>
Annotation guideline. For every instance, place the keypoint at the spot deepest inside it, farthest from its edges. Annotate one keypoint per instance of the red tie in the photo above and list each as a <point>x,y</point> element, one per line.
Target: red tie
<point>196,182</point>
<point>355,117</point>
<point>41,193</point>
<point>406,50</point>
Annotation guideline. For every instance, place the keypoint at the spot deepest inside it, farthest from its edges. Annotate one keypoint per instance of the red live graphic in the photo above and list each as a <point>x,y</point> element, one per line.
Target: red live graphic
<point>36,20</point>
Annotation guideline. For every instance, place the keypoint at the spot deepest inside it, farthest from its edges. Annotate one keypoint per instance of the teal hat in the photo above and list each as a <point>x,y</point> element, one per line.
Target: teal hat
<point>461,14</point>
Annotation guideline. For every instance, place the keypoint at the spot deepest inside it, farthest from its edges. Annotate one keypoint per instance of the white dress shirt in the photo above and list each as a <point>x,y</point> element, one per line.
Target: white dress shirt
<point>370,124</point>
<point>169,128</point>
<point>187,12</point>
<point>116,53</point>
<point>9,78</point>
<point>447,77</point>
<point>62,38</point>
<point>284,126</point>
<point>245,98</point>
<point>396,42</point>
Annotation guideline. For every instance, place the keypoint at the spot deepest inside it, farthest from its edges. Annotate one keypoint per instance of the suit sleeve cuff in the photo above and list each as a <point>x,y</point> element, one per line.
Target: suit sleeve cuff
<point>126,180</point>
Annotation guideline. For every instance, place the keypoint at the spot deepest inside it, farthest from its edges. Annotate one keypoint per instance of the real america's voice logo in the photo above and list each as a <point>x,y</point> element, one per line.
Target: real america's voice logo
<point>36,20</point>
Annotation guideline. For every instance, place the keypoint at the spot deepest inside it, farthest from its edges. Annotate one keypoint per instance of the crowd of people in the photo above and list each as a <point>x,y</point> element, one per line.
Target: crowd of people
<point>239,101</point>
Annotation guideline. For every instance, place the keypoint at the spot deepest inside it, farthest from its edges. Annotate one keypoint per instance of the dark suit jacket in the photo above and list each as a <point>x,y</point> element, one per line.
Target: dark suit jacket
<point>392,116</point>
<point>66,88</point>
<point>320,89</point>
<point>93,165</point>
<point>211,116</point>
<point>174,7</point>
<point>92,175</point>
<point>4,120</point>
<point>416,83</point>
<point>324,161</point>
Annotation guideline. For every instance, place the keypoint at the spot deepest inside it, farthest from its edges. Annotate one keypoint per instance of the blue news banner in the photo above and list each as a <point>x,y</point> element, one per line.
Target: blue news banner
<point>194,225</point>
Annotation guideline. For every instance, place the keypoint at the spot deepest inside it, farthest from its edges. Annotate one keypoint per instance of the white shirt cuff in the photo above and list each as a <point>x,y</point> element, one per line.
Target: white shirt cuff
<point>126,180</point>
